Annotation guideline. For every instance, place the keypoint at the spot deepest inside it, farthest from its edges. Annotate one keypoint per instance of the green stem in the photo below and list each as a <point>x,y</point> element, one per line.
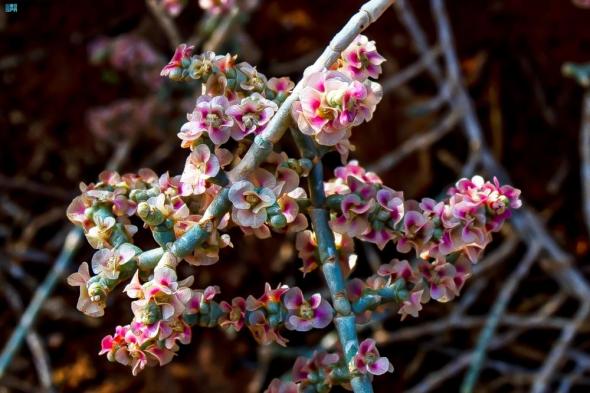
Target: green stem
<point>345,319</point>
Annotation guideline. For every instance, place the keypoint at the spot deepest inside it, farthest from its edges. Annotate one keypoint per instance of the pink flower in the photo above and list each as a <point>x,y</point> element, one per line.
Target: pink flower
<point>251,115</point>
<point>200,166</point>
<point>304,315</point>
<point>397,269</point>
<point>306,246</point>
<point>440,278</point>
<point>91,306</point>
<point>201,297</point>
<point>180,59</point>
<point>99,235</point>
<point>354,219</point>
<point>360,59</point>
<point>250,203</point>
<point>391,204</point>
<point>280,85</point>
<point>202,67</point>
<point>209,116</point>
<point>108,262</point>
<point>368,360</point>
<point>264,333</point>
<point>76,212</point>
<point>131,348</point>
<point>278,386</point>
<point>331,103</point>
<point>412,305</point>
<point>161,298</point>
<point>235,313</point>
<point>304,369</point>
<point>173,7</point>
<point>173,208</point>
<point>216,7</point>
<point>254,81</point>
<point>269,297</point>
<point>417,230</point>
<point>352,168</point>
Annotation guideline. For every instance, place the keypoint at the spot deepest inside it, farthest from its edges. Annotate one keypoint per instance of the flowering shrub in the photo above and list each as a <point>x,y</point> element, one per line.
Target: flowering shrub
<point>190,215</point>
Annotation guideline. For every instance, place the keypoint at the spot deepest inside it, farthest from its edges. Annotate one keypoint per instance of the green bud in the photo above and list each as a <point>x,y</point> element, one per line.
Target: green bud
<point>149,214</point>
<point>151,314</point>
<point>279,221</point>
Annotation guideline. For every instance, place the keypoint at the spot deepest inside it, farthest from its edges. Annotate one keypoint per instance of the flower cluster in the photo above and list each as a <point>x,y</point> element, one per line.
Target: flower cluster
<point>318,374</point>
<point>324,370</point>
<point>157,325</point>
<point>332,102</point>
<point>460,224</point>
<point>164,310</point>
<point>266,200</point>
<point>129,53</point>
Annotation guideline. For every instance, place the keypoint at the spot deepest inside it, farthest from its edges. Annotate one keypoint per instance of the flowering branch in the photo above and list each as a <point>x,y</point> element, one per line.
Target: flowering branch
<point>234,177</point>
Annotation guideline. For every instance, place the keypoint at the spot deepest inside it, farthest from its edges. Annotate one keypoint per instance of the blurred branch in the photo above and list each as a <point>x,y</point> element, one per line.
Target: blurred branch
<point>18,183</point>
<point>585,158</point>
<point>71,244</point>
<point>419,141</point>
<point>223,29</point>
<point>34,342</point>
<point>28,318</point>
<point>435,379</point>
<point>494,316</point>
<point>165,22</point>
<point>410,72</point>
<point>461,99</point>
<point>557,353</point>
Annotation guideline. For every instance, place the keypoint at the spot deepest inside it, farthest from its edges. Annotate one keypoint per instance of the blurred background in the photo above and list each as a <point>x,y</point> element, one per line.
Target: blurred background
<point>80,87</point>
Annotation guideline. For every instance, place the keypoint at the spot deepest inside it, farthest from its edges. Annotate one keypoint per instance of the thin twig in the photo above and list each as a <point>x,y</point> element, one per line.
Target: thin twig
<point>498,255</point>
<point>34,342</point>
<point>557,353</point>
<point>223,29</point>
<point>165,22</point>
<point>585,158</point>
<point>419,141</point>
<point>28,318</point>
<point>435,379</point>
<point>461,99</point>
<point>494,316</point>
<point>39,189</point>
<point>404,76</point>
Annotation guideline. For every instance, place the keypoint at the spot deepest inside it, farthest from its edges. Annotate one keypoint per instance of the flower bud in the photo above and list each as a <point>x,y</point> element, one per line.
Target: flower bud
<point>278,221</point>
<point>150,215</point>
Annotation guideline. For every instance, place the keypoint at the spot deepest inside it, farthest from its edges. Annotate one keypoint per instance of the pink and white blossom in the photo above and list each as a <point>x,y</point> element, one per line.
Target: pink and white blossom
<point>200,165</point>
<point>360,59</point>
<point>304,315</point>
<point>368,360</point>
<point>209,117</point>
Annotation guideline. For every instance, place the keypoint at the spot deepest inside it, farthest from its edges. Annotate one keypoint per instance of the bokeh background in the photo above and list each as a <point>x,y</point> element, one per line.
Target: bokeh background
<point>78,79</point>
